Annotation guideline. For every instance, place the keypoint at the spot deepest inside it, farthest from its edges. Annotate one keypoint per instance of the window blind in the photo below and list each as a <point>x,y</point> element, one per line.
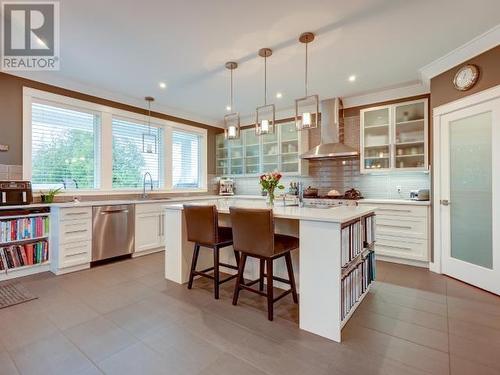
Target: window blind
<point>186,154</point>
<point>130,163</point>
<point>64,147</point>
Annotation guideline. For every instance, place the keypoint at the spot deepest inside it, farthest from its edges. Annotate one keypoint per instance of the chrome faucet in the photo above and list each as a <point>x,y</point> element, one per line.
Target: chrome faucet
<point>300,187</point>
<point>144,194</point>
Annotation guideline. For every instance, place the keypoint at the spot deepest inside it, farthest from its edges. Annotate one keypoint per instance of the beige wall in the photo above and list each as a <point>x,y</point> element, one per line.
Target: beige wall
<point>11,116</point>
<point>443,91</point>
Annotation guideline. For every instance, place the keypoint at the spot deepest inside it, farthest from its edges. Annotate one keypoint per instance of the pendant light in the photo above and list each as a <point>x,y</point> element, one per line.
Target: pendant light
<point>265,115</point>
<point>149,141</point>
<point>232,120</point>
<point>307,107</point>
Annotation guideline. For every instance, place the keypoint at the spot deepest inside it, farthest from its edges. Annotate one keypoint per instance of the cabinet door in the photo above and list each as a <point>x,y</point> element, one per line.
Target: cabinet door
<point>289,142</point>
<point>222,155</point>
<point>410,135</point>
<point>270,152</point>
<point>376,139</point>
<point>147,231</point>
<point>236,156</point>
<point>252,151</point>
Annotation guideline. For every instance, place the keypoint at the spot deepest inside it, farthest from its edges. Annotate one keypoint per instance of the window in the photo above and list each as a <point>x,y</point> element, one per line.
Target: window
<point>80,145</point>
<point>64,147</point>
<point>186,152</point>
<point>130,163</point>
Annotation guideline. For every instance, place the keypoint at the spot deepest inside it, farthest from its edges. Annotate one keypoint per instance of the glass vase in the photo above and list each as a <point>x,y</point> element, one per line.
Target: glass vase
<point>270,198</point>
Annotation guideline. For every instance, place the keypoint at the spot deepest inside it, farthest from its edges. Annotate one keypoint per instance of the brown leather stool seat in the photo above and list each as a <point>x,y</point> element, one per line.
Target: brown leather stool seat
<point>253,236</point>
<point>203,229</point>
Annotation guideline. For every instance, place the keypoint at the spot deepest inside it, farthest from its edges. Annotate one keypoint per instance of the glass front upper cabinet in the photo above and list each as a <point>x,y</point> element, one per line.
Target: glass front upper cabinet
<point>222,155</point>
<point>270,152</point>
<point>394,137</point>
<point>289,147</point>
<point>236,156</point>
<point>252,151</point>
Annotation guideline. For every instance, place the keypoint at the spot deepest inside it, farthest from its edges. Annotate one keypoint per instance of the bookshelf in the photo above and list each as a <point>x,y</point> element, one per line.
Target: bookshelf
<point>358,263</point>
<point>24,241</point>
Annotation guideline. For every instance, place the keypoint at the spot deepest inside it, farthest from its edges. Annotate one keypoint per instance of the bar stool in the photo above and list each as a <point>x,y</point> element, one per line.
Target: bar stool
<point>253,236</point>
<point>203,229</point>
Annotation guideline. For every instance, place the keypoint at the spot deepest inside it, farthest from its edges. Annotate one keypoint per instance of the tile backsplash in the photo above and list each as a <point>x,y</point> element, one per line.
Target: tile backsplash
<point>342,175</point>
<point>11,172</point>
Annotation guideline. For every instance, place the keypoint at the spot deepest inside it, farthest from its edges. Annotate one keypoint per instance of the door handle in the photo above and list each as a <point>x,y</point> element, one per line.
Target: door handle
<point>112,212</point>
<point>445,202</point>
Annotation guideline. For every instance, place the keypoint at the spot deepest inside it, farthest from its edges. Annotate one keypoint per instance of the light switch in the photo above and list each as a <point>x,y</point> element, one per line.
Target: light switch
<point>4,147</point>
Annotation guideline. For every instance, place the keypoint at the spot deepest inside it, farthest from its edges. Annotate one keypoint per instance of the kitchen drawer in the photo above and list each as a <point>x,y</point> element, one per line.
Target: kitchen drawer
<point>75,231</point>
<point>148,207</point>
<point>75,254</point>
<point>400,210</point>
<point>414,227</point>
<point>76,213</point>
<point>402,247</point>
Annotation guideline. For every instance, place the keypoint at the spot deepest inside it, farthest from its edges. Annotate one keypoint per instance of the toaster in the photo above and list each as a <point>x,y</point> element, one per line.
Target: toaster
<point>420,195</point>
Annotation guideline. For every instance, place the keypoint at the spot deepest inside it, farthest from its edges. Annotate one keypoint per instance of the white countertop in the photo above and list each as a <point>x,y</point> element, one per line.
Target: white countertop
<point>394,201</point>
<point>339,214</point>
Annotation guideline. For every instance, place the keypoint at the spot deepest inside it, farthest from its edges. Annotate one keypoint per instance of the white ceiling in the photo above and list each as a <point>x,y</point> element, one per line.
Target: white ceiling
<point>123,49</point>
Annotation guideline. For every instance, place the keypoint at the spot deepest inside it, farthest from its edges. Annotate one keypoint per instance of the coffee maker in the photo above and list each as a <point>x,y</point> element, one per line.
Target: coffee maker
<point>226,186</point>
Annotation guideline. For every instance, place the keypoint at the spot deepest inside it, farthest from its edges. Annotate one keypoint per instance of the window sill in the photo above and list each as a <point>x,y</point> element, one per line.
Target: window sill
<point>72,193</point>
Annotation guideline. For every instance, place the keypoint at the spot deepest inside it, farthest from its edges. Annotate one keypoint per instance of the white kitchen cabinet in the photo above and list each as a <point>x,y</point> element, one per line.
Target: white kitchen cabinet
<point>71,239</point>
<point>395,137</point>
<point>402,232</point>
<point>251,154</point>
<point>149,236</point>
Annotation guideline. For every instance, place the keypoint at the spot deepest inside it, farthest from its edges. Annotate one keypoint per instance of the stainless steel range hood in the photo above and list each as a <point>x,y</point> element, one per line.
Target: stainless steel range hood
<point>331,146</point>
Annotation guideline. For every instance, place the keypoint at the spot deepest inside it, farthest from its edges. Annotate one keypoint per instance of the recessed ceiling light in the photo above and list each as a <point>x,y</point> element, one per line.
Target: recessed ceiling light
<point>352,78</point>
<point>279,95</point>
<point>162,85</point>
<point>228,108</point>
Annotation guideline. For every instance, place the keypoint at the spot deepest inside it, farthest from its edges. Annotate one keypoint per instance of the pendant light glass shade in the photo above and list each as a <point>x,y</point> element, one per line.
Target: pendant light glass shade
<point>265,116</point>
<point>307,107</point>
<point>149,141</point>
<point>232,120</point>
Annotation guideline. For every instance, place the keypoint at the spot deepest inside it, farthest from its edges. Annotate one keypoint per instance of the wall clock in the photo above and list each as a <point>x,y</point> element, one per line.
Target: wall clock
<point>466,77</point>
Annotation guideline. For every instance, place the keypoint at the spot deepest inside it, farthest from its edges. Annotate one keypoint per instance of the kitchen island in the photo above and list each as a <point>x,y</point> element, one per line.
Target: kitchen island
<point>334,263</point>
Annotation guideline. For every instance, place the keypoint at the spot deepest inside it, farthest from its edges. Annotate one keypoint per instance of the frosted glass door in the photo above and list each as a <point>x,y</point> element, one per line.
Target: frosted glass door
<point>471,190</point>
<point>469,207</point>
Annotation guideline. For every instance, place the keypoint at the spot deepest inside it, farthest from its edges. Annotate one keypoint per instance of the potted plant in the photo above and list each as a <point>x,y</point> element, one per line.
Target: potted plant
<point>269,183</point>
<point>48,197</point>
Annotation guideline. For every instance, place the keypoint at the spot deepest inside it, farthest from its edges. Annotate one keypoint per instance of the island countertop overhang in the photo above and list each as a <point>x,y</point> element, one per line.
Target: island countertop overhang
<point>341,214</point>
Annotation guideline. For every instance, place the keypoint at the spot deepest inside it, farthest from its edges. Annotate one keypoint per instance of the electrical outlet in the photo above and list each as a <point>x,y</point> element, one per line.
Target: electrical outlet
<point>398,188</point>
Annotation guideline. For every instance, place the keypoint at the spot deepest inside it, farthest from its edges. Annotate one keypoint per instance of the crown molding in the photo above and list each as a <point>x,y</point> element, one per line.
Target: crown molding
<point>476,46</point>
<point>406,90</point>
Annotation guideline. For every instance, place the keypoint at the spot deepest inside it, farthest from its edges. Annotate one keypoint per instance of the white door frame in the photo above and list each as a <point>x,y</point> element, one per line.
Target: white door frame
<point>484,96</point>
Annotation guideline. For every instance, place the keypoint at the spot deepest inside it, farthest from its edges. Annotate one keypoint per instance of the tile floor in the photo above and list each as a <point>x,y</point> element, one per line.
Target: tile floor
<point>124,318</point>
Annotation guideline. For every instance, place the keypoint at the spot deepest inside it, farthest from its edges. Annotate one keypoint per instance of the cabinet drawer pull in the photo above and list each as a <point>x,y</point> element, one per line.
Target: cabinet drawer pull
<point>394,226</point>
<point>77,213</point>
<point>392,210</point>
<point>396,247</point>
<point>76,231</point>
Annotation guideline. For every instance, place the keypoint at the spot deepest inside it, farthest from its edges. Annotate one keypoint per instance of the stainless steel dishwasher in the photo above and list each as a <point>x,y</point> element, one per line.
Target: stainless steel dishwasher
<point>113,231</point>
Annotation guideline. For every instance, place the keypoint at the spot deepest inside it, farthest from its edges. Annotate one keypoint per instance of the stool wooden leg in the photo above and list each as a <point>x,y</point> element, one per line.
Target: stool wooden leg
<point>237,257</point>
<point>216,272</point>
<point>239,279</point>
<point>270,291</point>
<point>288,261</point>
<point>261,274</point>
<point>196,252</point>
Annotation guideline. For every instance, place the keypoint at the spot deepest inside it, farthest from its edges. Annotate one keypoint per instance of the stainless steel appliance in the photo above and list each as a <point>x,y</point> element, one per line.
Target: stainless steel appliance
<point>15,192</point>
<point>113,231</point>
<point>420,195</point>
<point>349,198</point>
<point>226,186</point>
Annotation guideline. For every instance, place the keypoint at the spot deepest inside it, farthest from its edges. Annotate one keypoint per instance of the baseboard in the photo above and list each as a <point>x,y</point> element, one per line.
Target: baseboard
<point>147,252</point>
<point>63,271</point>
<point>408,262</point>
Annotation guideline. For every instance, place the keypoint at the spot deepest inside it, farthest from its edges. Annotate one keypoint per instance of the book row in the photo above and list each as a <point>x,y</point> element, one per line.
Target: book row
<point>370,229</point>
<point>23,228</point>
<point>356,282</point>
<point>351,242</point>
<point>24,255</point>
